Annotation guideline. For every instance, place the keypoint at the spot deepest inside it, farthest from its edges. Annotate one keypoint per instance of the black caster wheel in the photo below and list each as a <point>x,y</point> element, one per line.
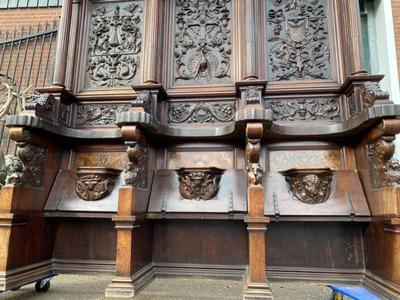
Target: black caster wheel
<point>42,286</point>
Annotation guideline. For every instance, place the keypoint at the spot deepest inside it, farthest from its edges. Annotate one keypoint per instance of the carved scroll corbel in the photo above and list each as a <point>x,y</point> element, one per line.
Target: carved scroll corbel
<point>370,91</point>
<point>135,173</point>
<point>385,170</point>
<point>254,132</point>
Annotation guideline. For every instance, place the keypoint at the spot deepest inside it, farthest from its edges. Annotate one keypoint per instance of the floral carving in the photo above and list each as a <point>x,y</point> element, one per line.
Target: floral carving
<point>385,170</point>
<point>136,170</point>
<point>297,40</point>
<point>201,112</point>
<point>202,40</point>
<point>311,186</point>
<point>115,43</point>
<point>33,158</point>
<point>304,109</point>
<point>199,183</point>
<point>370,91</point>
<point>95,183</point>
<point>99,114</point>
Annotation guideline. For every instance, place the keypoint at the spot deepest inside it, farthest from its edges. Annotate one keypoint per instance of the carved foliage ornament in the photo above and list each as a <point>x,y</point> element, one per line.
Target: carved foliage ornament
<point>143,100</point>
<point>201,112</point>
<point>202,40</point>
<point>310,186</point>
<point>199,183</point>
<point>385,170</point>
<point>115,43</point>
<point>370,91</point>
<point>136,170</point>
<point>297,40</point>
<point>95,183</point>
<point>33,158</point>
<point>304,109</point>
<point>99,114</point>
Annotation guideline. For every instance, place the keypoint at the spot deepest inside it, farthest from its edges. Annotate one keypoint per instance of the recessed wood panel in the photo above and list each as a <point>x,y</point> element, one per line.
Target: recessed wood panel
<point>189,159</point>
<point>117,160</point>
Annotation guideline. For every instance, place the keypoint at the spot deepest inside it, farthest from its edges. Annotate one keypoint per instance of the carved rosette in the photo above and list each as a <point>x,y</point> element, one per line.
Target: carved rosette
<point>202,41</point>
<point>304,109</point>
<point>201,112</point>
<point>33,158</point>
<point>136,170</point>
<point>310,186</point>
<point>199,183</point>
<point>385,170</point>
<point>297,38</point>
<point>98,114</point>
<point>115,42</point>
<point>95,183</point>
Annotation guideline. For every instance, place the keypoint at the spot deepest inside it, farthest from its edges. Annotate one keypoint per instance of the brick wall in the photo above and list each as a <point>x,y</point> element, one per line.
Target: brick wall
<point>396,20</point>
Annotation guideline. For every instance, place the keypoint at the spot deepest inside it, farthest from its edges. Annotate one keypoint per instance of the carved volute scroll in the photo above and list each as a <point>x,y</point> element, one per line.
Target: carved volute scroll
<point>202,41</point>
<point>254,132</point>
<point>136,170</point>
<point>297,40</point>
<point>143,101</point>
<point>95,183</point>
<point>370,91</point>
<point>115,44</point>
<point>199,183</point>
<point>312,186</point>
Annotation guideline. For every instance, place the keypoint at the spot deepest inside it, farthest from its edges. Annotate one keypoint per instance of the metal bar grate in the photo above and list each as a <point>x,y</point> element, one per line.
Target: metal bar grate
<point>29,3</point>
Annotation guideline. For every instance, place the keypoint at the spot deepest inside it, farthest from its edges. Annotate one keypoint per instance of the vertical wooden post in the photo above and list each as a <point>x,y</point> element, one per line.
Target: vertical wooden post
<point>257,283</point>
<point>151,43</point>
<point>60,65</point>
<point>251,40</point>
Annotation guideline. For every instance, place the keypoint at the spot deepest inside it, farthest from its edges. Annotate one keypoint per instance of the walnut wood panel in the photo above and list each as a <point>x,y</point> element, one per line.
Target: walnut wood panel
<point>116,160</point>
<point>189,159</point>
<point>200,242</point>
<point>84,239</point>
<point>315,245</point>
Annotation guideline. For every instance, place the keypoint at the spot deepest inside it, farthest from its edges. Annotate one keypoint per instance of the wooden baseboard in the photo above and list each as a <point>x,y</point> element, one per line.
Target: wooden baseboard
<point>61,266</point>
<point>24,275</point>
<point>382,287</point>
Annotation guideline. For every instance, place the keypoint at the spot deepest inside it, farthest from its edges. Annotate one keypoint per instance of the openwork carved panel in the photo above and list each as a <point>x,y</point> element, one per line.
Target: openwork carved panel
<point>98,114</point>
<point>201,112</point>
<point>203,43</point>
<point>304,109</point>
<point>115,42</point>
<point>297,40</point>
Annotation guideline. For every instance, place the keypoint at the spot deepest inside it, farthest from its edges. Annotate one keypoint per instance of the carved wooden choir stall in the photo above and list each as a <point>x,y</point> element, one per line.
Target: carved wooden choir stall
<point>177,132</point>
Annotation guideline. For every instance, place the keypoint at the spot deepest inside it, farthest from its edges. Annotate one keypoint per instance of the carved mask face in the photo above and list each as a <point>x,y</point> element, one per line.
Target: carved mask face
<point>311,183</point>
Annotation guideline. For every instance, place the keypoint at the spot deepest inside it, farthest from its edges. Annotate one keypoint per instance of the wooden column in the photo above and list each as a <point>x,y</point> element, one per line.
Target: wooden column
<point>60,65</point>
<point>131,273</point>
<point>257,283</point>
<point>152,41</point>
<point>251,71</point>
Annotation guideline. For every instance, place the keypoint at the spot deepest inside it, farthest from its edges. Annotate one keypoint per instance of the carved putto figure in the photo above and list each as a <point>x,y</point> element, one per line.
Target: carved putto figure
<point>115,42</point>
<point>202,40</point>
<point>297,40</point>
<point>311,186</point>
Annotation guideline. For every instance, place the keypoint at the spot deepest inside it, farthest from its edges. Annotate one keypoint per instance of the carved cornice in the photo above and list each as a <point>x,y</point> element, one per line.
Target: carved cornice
<point>202,41</point>
<point>115,44</point>
<point>304,109</point>
<point>312,186</point>
<point>98,114</point>
<point>199,183</point>
<point>297,38</point>
<point>95,183</point>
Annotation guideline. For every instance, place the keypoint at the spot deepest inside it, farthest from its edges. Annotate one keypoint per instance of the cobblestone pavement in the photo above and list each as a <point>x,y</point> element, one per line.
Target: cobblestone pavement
<point>90,287</point>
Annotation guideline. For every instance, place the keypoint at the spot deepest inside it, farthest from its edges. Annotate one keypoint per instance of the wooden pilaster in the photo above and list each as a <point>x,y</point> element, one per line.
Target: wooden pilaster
<point>257,283</point>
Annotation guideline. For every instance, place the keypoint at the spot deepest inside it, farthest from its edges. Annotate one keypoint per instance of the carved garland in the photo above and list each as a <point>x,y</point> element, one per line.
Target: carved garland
<point>297,40</point>
<point>202,40</point>
<point>201,112</point>
<point>115,43</point>
<point>304,109</point>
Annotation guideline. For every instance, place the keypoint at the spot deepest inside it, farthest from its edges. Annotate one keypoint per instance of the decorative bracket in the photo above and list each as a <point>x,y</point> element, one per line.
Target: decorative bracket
<point>254,132</point>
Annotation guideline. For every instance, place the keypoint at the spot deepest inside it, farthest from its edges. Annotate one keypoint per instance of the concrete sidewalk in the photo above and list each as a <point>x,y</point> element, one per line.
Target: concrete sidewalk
<point>91,287</point>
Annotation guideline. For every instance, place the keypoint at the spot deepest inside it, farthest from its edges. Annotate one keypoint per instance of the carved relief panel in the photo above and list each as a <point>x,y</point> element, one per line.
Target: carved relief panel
<point>297,40</point>
<point>114,44</point>
<point>202,41</point>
